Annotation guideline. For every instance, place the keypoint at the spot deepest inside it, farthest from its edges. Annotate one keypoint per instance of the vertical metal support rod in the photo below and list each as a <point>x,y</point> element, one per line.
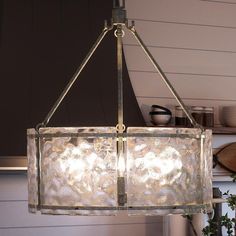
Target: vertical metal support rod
<point>163,76</point>
<point>119,33</point>
<point>75,76</point>
<point>38,164</point>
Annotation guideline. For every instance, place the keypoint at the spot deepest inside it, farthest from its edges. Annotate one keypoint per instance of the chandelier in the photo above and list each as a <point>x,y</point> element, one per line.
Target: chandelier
<point>104,170</point>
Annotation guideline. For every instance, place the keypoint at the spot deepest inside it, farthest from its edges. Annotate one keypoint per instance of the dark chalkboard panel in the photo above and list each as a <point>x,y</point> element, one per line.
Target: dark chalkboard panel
<point>41,44</point>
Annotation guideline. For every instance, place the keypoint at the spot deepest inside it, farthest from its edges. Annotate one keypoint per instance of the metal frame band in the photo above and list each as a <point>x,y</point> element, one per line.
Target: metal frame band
<point>119,20</point>
<point>89,208</point>
<point>74,135</point>
<point>116,135</point>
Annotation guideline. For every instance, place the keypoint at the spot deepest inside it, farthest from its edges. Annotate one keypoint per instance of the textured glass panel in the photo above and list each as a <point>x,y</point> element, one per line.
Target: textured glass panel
<point>78,174</point>
<point>32,171</point>
<point>167,174</point>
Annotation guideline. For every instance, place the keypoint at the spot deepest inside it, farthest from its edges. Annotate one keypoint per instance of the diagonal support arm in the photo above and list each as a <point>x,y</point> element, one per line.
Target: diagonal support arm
<point>163,76</point>
<point>74,77</point>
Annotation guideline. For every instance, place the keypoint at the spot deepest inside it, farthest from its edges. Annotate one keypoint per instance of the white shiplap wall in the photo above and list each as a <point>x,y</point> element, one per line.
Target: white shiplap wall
<point>194,43</point>
<point>16,221</point>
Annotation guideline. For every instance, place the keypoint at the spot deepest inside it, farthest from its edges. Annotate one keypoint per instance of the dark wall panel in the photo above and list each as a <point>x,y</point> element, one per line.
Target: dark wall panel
<point>42,43</point>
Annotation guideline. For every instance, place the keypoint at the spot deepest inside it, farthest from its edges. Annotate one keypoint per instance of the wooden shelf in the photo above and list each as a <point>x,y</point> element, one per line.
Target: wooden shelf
<point>215,130</point>
<point>13,163</point>
<point>224,130</point>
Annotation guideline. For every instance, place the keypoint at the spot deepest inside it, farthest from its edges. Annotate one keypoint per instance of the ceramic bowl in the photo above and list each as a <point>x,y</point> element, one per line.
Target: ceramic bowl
<point>158,108</point>
<point>160,118</point>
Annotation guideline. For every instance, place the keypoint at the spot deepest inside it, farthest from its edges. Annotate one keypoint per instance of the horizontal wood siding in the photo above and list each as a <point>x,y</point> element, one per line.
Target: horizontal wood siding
<point>194,43</point>
<point>101,230</point>
<point>16,221</point>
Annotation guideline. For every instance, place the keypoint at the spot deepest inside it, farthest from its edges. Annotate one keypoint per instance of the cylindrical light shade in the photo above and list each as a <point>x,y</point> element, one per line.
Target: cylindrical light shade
<point>75,171</point>
<point>169,170</point>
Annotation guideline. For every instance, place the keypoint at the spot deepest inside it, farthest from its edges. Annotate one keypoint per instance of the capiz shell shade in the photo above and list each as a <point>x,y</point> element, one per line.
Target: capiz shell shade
<point>169,170</point>
<point>75,173</point>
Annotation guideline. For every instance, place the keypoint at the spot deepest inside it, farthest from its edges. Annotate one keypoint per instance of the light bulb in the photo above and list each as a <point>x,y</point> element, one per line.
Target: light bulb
<point>121,165</point>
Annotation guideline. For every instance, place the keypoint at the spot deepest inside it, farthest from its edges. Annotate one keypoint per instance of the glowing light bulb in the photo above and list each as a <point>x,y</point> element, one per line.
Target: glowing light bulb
<point>121,165</point>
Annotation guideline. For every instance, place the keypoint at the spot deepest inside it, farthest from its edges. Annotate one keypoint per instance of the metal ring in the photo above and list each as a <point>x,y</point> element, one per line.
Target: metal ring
<point>40,125</point>
<point>117,34</point>
<point>118,127</point>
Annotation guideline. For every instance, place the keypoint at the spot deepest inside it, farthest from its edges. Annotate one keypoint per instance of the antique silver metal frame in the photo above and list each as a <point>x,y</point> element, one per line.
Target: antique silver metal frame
<point>119,21</point>
<point>123,142</point>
